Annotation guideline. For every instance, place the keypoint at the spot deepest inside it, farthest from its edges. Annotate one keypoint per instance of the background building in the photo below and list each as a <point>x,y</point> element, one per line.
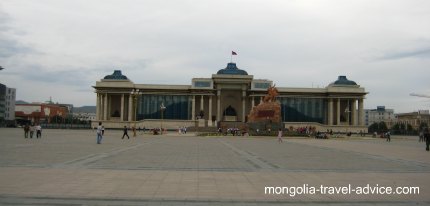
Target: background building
<point>7,105</point>
<point>2,101</point>
<point>227,96</point>
<point>414,118</point>
<point>380,114</point>
<point>40,113</point>
<point>10,104</point>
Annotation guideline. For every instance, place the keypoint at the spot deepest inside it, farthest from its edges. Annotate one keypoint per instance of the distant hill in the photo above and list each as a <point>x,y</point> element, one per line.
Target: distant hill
<point>21,102</point>
<point>84,109</point>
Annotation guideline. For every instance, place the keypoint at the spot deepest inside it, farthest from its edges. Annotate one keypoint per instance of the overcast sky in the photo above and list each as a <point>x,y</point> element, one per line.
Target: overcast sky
<point>60,48</point>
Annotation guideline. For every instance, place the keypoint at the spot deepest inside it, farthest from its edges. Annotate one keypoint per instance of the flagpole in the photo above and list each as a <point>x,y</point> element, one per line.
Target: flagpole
<point>231,57</point>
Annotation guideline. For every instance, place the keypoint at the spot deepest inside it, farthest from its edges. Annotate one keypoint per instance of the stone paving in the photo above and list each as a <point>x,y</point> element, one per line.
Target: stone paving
<point>67,167</point>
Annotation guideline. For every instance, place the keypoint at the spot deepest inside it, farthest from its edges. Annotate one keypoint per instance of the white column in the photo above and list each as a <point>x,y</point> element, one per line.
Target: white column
<point>243,105</point>
<point>338,112</point>
<point>330,111</point>
<point>252,102</point>
<point>193,108</point>
<point>105,107</point>
<point>210,112</point>
<point>218,106</point>
<point>101,111</point>
<point>360,112</point>
<point>202,104</point>
<point>122,108</point>
<point>97,106</point>
<point>354,112</point>
<point>130,108</point>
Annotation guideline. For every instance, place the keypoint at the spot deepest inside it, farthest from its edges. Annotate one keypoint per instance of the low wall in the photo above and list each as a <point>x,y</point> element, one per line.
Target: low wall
<point>323,128</point>
<point>148,124</point>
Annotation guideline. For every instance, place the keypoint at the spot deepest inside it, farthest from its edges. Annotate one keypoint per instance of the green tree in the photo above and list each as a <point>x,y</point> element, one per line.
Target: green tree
<point>378,127</point>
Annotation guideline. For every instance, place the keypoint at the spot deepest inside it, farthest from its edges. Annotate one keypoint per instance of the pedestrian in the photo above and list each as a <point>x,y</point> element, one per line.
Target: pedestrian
<point>26,130</point>
<point>38,131</point>
<point>32,130</point>
<point>100,132</point>
<point>280,136</point>
<point>134,131</point>
<point>388,136</point>
<point>125,133</point>
<point>427,138</point>
<point>421,139</point>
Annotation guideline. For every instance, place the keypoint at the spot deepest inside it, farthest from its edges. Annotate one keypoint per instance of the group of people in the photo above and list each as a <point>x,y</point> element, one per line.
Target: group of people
<point>31,129</point>
<point>182,130</point>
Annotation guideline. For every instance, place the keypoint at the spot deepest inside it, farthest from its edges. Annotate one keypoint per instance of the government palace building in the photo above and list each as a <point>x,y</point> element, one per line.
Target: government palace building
<point>226,97</point>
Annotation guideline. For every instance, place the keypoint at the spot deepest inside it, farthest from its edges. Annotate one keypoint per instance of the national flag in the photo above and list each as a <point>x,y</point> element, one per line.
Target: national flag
<point>233,53</point>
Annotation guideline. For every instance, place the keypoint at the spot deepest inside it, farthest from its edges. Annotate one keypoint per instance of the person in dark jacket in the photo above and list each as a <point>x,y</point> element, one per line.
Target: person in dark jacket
<point>427,137</point>
<point>125,133</point>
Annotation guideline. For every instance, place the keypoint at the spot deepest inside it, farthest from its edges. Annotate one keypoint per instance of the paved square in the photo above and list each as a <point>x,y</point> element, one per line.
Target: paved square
<point>68,167</point>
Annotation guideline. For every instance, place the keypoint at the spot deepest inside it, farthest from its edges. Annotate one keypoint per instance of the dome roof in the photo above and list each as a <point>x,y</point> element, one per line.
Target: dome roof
<point>231,69</point>
<point>117,75</point>
<point>342,80</point>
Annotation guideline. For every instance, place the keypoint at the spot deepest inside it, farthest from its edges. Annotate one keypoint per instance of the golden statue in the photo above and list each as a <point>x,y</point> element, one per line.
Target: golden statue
<point>272,93</point>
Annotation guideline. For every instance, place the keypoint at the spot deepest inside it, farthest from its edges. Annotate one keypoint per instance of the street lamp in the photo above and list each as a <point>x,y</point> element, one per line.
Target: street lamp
<point>162,108</point>
<point>135,94</point>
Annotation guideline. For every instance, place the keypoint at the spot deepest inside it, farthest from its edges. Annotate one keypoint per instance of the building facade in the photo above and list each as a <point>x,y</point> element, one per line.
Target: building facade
<point>228,96</point>
<point>414,118</point>
<point>10,104</point>
<point>7,103</point>
<point>40,113</point>
<point>380,114</point>
<point>2,101</point>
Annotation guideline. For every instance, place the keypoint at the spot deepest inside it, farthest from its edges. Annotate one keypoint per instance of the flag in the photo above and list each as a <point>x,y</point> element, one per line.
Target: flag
<point>233,53</point>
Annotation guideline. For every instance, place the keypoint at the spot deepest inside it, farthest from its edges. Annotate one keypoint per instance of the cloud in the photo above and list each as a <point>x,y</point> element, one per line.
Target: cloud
<point>417,53</point>
<point>9,47</point>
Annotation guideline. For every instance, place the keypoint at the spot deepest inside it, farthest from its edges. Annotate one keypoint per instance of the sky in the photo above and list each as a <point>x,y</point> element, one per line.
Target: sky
<point>60,48</point>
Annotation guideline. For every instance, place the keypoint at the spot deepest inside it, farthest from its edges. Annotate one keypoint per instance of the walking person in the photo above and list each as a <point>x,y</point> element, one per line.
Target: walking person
<point>125,133</point>
<point>280,136</point>
<point>32,131</point>
<point>427,138</point>
<point>26,130</point>
<point>38,131</point>
<point>100,132</point>
<point>388,136</point>
<point>421,139</point>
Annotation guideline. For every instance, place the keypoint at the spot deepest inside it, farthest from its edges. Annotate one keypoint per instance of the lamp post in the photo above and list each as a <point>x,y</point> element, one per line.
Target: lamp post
<point>162,108</point>
<point>135,94</point>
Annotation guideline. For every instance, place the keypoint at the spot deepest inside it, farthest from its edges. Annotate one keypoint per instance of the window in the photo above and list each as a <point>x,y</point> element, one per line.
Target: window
<point>202,84</point>
<point>262,85</point>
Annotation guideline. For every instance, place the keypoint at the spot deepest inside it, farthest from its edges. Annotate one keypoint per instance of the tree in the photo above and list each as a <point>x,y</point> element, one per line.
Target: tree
<point>378,127</point>
<point>401,128</point>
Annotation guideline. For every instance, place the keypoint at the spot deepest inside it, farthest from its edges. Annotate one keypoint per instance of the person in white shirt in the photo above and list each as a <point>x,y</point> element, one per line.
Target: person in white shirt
<point>38,131</point>
<point>280,135</point>
<point>100,131</point>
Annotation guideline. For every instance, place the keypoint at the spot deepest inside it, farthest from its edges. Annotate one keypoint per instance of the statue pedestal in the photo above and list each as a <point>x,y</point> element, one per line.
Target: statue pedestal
<point>201,123</point>
<point>266,111</point>
<point>265,118</point>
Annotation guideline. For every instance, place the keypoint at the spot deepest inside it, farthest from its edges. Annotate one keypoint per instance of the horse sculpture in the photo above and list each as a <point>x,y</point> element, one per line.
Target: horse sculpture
<point>272,92</point>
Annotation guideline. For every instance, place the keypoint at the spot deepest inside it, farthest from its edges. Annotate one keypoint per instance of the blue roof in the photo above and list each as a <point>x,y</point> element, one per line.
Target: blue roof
<point>117,75</point>
<point>342,80</point>
<point>232,69</point>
